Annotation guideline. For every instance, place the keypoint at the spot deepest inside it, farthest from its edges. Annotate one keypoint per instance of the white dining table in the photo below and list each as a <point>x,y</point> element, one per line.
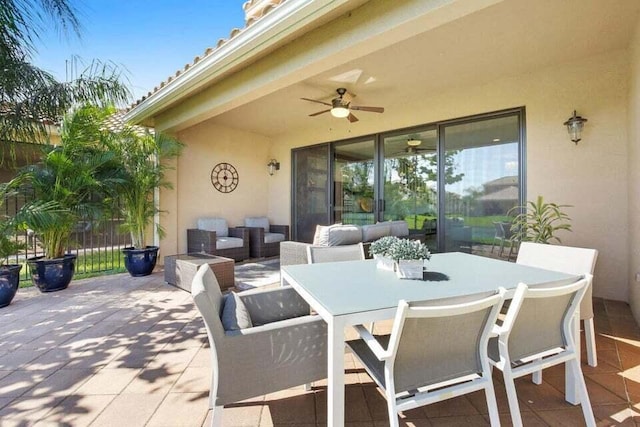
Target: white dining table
<point>356,292</point>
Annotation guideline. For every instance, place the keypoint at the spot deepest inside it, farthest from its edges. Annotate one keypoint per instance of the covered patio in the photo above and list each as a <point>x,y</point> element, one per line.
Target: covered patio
<point>133,352</point>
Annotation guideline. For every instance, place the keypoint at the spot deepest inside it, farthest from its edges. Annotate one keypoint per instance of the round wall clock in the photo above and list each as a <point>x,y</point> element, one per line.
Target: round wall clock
<point>224,177</point>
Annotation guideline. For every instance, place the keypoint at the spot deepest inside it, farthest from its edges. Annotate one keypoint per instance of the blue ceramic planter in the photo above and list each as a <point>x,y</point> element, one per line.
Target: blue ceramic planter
<point>50,275</point>
<point>9,280</point>
<point>140,262</point>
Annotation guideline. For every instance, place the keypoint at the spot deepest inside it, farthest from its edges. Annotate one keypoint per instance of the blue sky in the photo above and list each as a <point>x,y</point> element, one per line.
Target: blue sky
<point>151,39</point>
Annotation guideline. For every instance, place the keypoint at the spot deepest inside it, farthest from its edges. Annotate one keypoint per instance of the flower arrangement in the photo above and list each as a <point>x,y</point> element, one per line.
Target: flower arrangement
<point>382,245</point>
<point>406,249</point>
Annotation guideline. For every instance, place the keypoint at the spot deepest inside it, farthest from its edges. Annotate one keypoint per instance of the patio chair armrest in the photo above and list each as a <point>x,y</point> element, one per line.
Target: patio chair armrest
<point>273,305</point>
<point>372,342</point>
<point>293,253</point>
<point>240,232</point>
<point>256,235</point>
<point>282,229</point>
<point>287,328</point>
<point>201,241</point>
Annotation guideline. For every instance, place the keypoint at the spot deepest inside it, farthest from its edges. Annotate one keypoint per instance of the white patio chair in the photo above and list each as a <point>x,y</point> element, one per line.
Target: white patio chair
<point>316,254</point>
<point>569,260</point>
<point>437,350</point>
<point>537,334</point>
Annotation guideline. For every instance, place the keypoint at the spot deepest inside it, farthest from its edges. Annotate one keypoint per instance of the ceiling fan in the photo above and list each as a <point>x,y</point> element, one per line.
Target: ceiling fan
<point>412,145</point>
<point>341,106</point>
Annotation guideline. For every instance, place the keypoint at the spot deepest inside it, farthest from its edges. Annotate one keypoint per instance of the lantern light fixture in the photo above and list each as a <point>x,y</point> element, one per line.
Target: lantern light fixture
<point>273,166</point>
<point>574,125</point>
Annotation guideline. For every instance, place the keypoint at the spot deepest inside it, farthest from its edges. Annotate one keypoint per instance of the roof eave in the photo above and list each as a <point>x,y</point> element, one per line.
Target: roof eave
<point>288,18</point>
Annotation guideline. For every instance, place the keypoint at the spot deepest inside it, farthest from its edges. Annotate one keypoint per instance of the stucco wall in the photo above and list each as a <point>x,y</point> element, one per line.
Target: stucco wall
<point>634,175</point>
<point>592,176</point>
<point>194,196</point>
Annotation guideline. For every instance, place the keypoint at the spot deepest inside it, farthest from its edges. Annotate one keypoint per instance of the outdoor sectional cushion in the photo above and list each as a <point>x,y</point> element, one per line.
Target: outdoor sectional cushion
<point>219,225</point>
<point>228,242</point>
<point>235,315</point>
<point>337,234</point>
<point>258,221</point>
<point>371,232</point>
<point>399,228</point>
<point>273,237</point>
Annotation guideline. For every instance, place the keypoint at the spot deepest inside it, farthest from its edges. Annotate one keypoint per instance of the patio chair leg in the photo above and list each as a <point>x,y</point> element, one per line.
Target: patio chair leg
<point>536,377</point>
<point>216,416</point>
<point>585,402</point>
<point>590,338</point>
<point>512,397</point>
<point>492,404</point>
<point>393,413</point>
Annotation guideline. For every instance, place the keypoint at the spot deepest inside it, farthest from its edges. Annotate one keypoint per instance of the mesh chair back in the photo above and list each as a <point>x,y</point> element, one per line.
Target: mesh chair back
<point>565,259</point>
<point>317,254</point>
<point>538,326</point>
<point>437,344</point>
<point>542,323</point>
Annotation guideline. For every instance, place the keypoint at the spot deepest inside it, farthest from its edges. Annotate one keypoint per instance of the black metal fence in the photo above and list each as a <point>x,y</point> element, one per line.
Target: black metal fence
<point>97,244</point>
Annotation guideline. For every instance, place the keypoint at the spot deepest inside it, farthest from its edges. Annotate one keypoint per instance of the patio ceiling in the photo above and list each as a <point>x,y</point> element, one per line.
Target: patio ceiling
<point>510,38</point>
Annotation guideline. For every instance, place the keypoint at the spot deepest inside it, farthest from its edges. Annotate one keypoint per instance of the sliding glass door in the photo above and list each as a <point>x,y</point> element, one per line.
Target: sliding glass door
<point>451,181</point>
<point>310,201</point>
<point>480,179</point>
<point>409,182</point>
<point>354,182</point>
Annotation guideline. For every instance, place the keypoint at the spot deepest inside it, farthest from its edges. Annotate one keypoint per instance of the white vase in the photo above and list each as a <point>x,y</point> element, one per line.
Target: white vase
<point>410,268</point>
<point>384,263</point>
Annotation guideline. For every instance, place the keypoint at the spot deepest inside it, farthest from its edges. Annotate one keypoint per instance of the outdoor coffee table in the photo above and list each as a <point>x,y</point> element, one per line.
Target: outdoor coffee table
<point>179,270</point>
<point>356,292</point>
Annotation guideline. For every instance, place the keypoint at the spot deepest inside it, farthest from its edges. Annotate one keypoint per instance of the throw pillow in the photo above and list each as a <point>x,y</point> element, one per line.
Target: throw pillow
<point>235,315</point>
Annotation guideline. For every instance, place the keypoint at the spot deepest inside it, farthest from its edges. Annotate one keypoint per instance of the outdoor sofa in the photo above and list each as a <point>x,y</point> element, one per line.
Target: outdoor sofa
<point>292,253</point>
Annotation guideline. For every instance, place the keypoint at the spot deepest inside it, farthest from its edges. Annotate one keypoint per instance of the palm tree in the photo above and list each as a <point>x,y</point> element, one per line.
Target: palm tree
<point>70,183</point>
<point>143,158</point>
<point>30,98</point>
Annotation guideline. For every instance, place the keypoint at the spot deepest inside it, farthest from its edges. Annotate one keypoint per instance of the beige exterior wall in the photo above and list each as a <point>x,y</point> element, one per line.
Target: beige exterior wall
<point>591,176</point>
<point>194,196</point>
<point>634,175</point>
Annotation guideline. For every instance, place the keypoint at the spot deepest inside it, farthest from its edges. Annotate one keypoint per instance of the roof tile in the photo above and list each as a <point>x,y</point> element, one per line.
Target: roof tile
<point>268,6</point>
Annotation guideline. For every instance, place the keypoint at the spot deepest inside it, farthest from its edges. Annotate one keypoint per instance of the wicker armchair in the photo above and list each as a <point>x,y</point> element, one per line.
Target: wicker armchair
<point>265,238</point>
<point>215,240</point>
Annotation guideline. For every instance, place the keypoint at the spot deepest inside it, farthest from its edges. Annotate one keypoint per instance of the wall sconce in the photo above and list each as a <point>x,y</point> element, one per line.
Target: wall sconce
<point>574,125</point>
<point>273,166</point>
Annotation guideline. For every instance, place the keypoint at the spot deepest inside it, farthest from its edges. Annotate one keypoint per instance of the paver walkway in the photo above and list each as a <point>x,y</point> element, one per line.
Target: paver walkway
<point>127,352</point>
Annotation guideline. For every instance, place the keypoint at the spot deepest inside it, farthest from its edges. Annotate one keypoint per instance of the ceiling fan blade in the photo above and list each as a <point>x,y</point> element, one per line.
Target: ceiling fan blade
<point>352,118</point>
<point>369,109</point>
<point>316,101</point>
<point>319,112</point>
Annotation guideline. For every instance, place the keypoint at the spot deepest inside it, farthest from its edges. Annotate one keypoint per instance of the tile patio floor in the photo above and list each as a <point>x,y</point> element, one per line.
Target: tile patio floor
<point>127,352</point>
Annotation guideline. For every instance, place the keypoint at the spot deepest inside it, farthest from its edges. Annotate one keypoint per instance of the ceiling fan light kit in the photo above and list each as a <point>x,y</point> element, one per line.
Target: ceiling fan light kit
<point>340,112</point>
<point>341,107</point>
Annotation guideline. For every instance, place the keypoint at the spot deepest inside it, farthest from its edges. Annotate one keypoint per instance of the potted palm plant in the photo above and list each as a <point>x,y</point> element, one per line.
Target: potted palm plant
<point>68,185</point>
<point>539,222</point>
<point>142,156</point>
<point>9,273</point>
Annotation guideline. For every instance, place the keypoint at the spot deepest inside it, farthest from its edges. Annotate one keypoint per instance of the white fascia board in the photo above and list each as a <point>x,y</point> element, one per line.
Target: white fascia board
<point>284,20</point>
